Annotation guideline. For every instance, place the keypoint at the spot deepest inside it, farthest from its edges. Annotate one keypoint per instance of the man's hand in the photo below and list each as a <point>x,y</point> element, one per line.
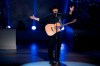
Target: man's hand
<point>71,10</point>
<point>34,18</point>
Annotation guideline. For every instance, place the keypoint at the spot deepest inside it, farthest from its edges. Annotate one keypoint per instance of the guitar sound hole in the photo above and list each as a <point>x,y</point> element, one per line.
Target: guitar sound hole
<point>51,28</point>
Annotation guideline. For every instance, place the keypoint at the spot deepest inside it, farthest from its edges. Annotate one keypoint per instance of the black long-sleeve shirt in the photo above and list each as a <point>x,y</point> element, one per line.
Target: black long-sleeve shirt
<point>51,19</point>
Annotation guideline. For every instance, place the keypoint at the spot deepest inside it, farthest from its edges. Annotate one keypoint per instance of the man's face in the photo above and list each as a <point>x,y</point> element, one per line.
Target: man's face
<point>55,10</point>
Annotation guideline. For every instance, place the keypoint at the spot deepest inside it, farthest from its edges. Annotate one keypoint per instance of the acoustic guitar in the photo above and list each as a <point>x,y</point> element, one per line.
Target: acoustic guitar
<point>52,29</point>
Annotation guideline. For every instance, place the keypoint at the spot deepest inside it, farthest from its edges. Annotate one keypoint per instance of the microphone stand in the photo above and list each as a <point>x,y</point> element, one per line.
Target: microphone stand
<point>57,27</point>
<point>56,39</point>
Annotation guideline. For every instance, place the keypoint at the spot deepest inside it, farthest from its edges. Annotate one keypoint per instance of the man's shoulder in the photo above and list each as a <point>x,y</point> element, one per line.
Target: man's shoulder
<point>49,15</point>
<point>59,13</point>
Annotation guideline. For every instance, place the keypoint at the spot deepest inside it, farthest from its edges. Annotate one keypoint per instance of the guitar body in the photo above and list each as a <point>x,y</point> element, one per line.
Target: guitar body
<point>51,29</point>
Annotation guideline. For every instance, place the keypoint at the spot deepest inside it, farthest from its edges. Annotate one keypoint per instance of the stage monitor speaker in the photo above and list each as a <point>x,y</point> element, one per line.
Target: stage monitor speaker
<point>7,38</point>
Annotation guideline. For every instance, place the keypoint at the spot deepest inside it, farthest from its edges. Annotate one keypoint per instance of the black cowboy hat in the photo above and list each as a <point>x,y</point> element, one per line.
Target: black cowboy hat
<point>53,7</point>
<point>72,4</point>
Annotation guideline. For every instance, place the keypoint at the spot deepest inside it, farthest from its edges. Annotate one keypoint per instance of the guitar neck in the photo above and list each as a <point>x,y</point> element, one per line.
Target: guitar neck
<point>66,24</point>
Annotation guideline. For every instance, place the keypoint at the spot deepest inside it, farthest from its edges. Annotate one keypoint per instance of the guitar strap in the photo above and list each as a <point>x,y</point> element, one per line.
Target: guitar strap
<point>59,17</point>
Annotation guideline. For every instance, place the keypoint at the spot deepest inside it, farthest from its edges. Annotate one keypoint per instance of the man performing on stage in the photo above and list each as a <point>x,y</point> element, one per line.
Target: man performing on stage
<point>52,28</point>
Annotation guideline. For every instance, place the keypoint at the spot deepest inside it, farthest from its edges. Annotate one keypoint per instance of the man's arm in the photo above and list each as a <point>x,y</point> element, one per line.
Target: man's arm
<point>71,13</point>
<point>74,20</point>
<point>34,18</point>
<point>64,15</point>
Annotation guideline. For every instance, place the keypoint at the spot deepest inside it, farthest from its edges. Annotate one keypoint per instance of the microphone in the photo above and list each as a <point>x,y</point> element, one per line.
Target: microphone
<point>55,14</point>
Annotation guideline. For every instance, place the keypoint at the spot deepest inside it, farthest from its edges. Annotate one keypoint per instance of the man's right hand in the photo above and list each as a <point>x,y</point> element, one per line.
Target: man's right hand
<point>32,17</point>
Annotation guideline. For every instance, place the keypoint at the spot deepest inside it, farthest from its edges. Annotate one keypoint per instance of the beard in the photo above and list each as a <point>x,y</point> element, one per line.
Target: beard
<point>55,14</point>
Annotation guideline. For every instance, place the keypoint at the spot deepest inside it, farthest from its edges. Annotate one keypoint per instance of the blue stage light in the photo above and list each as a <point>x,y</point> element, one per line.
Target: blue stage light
<point>33,47</point>
<point>62,46</point>
<point>33,27</point>
<point>62,28</point>
<point>8,27</point>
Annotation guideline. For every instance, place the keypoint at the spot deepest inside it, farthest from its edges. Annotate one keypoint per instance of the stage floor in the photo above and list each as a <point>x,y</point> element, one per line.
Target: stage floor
<point>35,53</point>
